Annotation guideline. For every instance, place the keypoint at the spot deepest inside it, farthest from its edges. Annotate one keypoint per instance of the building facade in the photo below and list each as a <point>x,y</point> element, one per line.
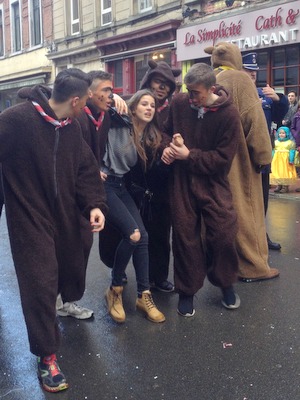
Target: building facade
<point>269,28</point>
<point>25,37</point>
<point>38,38</point>
<point>122,37</point>
<point>116,35</point>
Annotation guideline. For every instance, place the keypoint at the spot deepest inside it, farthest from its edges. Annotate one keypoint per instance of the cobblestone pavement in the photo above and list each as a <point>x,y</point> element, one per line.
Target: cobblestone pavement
<point>247,354</point>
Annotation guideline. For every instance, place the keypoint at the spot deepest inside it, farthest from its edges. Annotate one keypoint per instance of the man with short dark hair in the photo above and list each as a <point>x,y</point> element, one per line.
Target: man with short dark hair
<point>95,122</point>
<point>51,181</point>
<point>293,108</point>
<point>94,119</point>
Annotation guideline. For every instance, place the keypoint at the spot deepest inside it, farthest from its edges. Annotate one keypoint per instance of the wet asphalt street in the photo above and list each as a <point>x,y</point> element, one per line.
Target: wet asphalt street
<point>252,353</point>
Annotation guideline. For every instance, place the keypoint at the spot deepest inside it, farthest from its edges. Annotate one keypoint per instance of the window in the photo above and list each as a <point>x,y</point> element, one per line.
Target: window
<point>141,67</point>
<point>106,14</point>
<point>280,68</point>
<point>118,74</point>
<point>116,69</point>
<point>74,16</point>
<point>262,74</point>
<point>16,26</point>
<point>35,22</point>
<point>145,5</point>
<point>1,33</point>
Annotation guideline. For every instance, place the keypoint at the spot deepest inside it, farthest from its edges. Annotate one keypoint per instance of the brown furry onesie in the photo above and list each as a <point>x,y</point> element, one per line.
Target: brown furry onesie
<point>254,151</point>
<point>51,180</point>
<point>200,190</point>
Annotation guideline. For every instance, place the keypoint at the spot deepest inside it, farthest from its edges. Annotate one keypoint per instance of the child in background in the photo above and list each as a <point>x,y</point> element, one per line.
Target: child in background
<point>283,169</point>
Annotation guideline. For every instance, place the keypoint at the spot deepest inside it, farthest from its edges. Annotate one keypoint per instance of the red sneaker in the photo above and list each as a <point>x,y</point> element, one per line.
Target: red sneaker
<point>50,375</point>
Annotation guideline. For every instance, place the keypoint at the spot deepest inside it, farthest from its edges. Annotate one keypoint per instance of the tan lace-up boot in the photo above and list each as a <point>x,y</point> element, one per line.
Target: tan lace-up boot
<point>146,304</point>
<point>114,301</point>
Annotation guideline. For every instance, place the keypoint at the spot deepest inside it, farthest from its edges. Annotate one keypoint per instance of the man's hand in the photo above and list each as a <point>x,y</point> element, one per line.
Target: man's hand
<point>97,220</point>
<point>120,104</point>
<point>179,153</point>
<point>103,176</point>
<point>270,92</point>
<point>167,156</point>
<point>173,152</point>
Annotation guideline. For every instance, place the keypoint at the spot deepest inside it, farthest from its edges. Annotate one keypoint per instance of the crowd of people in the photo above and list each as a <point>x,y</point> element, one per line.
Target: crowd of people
<point>78,160</point>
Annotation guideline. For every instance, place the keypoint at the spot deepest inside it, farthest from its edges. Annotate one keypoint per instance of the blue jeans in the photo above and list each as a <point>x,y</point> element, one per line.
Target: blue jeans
<point>125,217</point>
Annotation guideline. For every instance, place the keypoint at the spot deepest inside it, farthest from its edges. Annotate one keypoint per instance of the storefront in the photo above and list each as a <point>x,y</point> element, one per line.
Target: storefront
<point>271,32</point>
<point>126,56</point>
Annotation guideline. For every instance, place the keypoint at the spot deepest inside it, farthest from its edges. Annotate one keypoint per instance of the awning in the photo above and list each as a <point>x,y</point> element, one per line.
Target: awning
<point>14,84</point>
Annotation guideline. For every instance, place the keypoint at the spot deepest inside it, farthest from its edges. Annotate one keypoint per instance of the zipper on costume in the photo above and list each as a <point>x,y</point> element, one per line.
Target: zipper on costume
<point>55,161</point>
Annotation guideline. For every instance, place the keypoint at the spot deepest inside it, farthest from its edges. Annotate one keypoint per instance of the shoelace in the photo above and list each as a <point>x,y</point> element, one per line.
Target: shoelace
<point>149,301</point>
<point>117,297</point>
<point>77,307</point>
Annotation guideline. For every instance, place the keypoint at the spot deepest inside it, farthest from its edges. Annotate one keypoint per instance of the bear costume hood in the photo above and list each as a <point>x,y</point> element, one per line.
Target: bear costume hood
<point>225,56</point>
<point>163,69</point>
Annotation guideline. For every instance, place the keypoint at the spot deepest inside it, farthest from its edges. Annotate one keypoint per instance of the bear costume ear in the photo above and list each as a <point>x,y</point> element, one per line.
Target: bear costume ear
<point>209,50</point>
<point>218,50</point>
<point>152,64</point>
<point>225,54</point>
<point>176,72</point>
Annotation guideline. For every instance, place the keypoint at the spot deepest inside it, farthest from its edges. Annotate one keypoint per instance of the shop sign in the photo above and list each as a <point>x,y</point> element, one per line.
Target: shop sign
<point>269,27</point>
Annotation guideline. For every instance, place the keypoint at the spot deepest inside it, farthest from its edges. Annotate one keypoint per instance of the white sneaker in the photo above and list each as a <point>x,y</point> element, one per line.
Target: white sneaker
<point>72,310</point>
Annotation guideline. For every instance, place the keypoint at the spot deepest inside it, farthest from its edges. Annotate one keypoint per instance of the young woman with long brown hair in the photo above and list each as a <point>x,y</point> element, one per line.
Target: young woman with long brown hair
<point>124,147</point>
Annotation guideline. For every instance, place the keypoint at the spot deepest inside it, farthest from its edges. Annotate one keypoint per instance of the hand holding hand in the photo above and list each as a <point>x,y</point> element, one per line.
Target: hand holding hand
<point>177,140</point>
<point>167,156</point>
<point>180,153</point>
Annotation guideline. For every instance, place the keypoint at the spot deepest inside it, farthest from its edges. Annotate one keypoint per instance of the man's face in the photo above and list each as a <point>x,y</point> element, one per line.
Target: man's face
<point>101,94</point>
<point>251,73</point>
<point>200,96</point>
<point>292,97</point>
<point>160,87</point>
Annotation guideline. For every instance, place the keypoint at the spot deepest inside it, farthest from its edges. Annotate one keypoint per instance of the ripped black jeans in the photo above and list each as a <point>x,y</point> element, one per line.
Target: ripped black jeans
<point>125,217</point>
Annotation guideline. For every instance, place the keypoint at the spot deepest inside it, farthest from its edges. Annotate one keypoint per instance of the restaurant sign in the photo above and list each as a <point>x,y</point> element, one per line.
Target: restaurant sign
<point>269,27</point>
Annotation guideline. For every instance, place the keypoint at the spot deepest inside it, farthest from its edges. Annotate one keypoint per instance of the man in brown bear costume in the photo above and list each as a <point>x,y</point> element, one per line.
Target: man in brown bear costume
<point>199,187</point>
<point>51,181</point>
<point>253,153</point>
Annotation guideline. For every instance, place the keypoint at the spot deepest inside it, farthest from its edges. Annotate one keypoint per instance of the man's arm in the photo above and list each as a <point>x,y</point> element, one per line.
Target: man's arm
<point>280,104</point>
